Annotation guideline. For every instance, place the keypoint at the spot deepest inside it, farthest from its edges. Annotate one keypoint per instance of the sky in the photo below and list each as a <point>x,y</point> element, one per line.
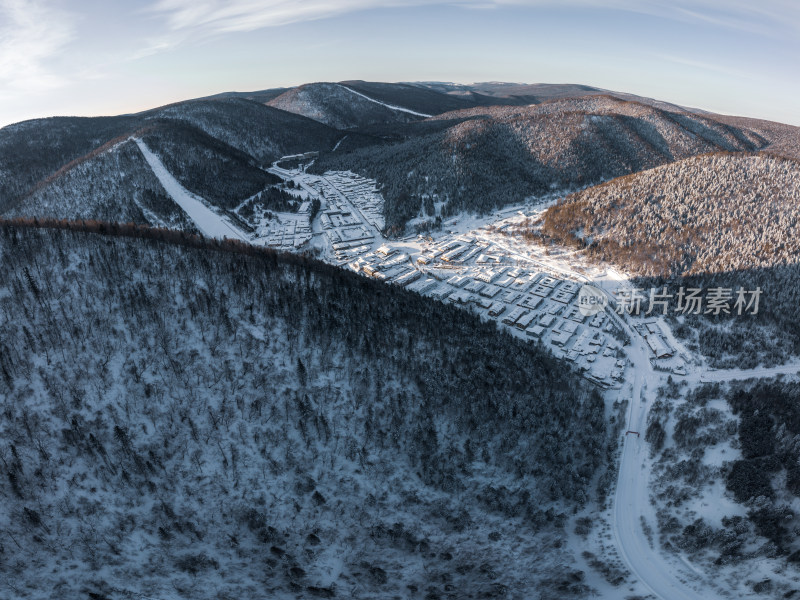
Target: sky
<point>93,57</point>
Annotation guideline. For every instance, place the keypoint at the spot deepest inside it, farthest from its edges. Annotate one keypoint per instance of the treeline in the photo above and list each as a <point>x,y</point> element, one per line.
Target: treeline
<point>485,158</point>
<point>272,199</point>
<point>86,190</point>
<point>206,166</point>
<point>212,407</point>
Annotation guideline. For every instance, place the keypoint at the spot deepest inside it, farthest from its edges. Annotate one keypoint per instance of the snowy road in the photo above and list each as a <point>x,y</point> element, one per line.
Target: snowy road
<point>663,577</point>
<point>732,374</point>
<point>207,221</point>
<point>631,503</point>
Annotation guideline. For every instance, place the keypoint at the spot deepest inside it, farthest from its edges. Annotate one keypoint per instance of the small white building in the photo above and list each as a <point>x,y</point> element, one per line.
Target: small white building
<point>515,314</point>
<point>497,309</point>
<point>535,332</point>
<point>525,320</point>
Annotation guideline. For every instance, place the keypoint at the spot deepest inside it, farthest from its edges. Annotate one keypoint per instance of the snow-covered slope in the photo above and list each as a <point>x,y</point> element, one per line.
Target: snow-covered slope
<point>192,422</point>
<point>207,221</point>
<point>261,131</point>
<point>480,159</point>
<point>393,107</point>
<point>115,184</point>
<point>342,107</point>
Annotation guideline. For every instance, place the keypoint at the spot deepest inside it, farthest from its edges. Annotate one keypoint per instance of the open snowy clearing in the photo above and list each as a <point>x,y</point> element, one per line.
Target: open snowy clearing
<point>207,221</point>
<point>391,106</point>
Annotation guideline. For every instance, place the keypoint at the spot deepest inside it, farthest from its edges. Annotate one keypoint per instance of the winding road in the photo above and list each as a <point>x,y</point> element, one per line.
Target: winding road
<point>631,502</point>
<point>662,577</point>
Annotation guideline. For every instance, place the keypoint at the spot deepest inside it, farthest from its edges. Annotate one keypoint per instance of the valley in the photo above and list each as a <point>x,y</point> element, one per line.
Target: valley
<point>530,290</point>
<point>289,233</point>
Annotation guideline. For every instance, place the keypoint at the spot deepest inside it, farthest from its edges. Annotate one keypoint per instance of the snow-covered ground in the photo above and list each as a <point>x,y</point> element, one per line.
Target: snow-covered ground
<point>655,571</point>
<point>209,222</point>
<point>711,375</point>
<point>391,106</point>
<point>482,256</point>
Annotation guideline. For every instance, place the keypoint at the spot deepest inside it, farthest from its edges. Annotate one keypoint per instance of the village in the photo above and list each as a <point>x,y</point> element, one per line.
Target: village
<point>536,306</point>
<point>285,231</point>
<point>475,269</point>
<point>348,224</point>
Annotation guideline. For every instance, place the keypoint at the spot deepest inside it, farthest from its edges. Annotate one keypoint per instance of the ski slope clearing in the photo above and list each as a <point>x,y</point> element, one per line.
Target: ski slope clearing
<point>207,221</point>
<point>391,106</point>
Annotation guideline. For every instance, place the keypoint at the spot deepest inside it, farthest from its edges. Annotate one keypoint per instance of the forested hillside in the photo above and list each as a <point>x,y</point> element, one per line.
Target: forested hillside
<point>475,159</point>
<point>338,106</point>
<point>263,132</point>
<point>494,93</point>
<point>188,418</point>
<point>114,185</point>
<point>492,156</point>
<point>721,220</point>
<point>33,150</point>
<point>212,146</point>
<point>707,214</point>
<point>413,96</point>
<point>206,166</point>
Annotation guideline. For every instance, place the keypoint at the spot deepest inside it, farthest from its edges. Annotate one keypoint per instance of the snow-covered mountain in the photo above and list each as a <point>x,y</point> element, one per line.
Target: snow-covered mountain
<point>341,106</point>
<point>420,142</point>
<point>240,134</point>
<point>411,401</point>
<point>187,419</point>
<point>484,158</point>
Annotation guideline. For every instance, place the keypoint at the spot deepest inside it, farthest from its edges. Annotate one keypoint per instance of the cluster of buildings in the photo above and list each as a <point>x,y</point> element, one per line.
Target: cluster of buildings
<point>542,307</point>
<point>352,212</point>
<point>362,193</point>
<point>655,338</point>
<point>387,264</point>
<point>286,231</point>
<point>528,297</point>
<point>534,305</point>
<point>453,251</point>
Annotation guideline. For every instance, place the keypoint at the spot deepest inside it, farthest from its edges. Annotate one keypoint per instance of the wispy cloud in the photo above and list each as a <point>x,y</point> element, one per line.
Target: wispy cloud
<point>706,66</point>
<point>758,17</point>
<point>211,17</point>
<point>220,16</point>
<point>31,34</point>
